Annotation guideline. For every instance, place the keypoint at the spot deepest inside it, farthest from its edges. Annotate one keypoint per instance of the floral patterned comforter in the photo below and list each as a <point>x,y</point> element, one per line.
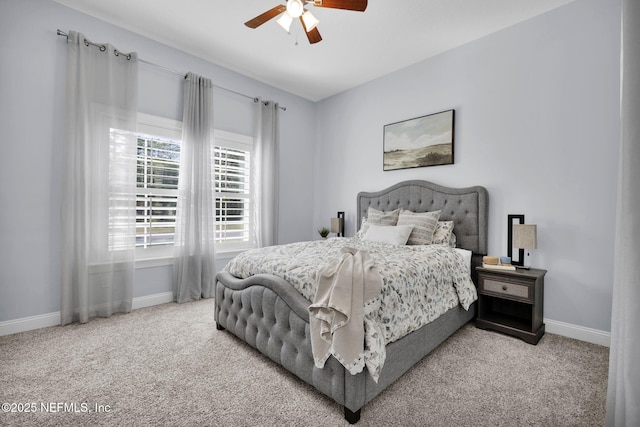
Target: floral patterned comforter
<point>420,283</point>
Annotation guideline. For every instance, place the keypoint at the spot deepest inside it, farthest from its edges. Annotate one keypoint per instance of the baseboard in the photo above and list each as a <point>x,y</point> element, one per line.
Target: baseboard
<point>24,324</point>
<point>29,323</point>
<point>581,333</point>
<point>53,319</point>
<point>149,300</point>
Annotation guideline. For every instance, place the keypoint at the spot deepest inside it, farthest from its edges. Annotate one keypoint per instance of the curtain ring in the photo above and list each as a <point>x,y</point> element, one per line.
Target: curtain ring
<point>103,48</point>
<point>86,43</point>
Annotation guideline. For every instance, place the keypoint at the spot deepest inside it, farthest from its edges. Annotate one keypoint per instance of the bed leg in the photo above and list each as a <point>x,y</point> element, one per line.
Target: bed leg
<point>351,417</point>
<point>218,327</point>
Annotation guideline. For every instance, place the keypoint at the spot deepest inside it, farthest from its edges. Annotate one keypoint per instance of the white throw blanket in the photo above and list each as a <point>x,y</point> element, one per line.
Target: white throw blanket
<point>337,316</point>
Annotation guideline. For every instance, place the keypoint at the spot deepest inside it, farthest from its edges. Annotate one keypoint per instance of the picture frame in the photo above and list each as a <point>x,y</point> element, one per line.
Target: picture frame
<point>511,220</point>
<point>419,142</point>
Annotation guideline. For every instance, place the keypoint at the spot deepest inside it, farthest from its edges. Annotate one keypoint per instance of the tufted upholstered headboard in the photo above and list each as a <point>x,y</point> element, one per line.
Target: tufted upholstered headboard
<point>467,207</point>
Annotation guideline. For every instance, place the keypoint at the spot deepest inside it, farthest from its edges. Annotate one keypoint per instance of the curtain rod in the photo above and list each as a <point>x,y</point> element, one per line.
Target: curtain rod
<point>255,99</point>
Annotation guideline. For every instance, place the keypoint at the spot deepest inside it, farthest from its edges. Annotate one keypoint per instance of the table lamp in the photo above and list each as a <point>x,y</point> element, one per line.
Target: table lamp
<point>525,237</point>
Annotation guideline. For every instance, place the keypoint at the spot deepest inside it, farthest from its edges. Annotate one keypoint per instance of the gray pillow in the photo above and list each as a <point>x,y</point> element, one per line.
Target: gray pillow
<point>424,225</point>
<point>375,216</point>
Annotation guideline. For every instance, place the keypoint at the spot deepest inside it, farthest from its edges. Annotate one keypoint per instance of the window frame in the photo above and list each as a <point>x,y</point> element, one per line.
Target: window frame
<point>244,143</point>
<point>172,129</point>
<point>162,128</point>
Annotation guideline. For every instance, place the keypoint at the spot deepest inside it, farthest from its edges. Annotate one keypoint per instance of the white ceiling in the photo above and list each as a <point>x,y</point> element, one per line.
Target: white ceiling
<point>356,47</point>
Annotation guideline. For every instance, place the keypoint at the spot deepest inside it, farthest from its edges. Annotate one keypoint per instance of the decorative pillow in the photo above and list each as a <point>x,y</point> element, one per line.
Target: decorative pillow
<point>424,224</point>
<point>375,216</point>
<point>378,217</point>
<point>452,240</point>
<point>443,235</point>
<point>396,235</point>
<point>364,226</point>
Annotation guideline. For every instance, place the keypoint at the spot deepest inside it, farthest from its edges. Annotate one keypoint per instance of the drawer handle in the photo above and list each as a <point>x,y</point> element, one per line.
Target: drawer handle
<point>504,287</point>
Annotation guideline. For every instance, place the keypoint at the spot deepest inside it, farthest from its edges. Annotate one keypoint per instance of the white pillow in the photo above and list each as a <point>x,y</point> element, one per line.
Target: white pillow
<point>394,234</point>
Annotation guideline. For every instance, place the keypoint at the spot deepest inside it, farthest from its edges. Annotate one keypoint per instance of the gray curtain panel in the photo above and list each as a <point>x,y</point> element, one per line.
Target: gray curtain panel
<point>193,265</point>
<point>265,174</point>
<point>99,184</point>
<point>623,393</point>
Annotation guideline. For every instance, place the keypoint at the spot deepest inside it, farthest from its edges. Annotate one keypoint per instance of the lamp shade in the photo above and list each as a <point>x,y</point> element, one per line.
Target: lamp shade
<point>310,21</point>
<point>336,225</point>
<point>285,21</point>
<point>525,236</point>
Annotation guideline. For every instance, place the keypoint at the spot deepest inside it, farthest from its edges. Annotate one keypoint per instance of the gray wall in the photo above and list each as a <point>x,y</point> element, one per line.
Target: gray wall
<point>32,82</point>
<point>537,124</point>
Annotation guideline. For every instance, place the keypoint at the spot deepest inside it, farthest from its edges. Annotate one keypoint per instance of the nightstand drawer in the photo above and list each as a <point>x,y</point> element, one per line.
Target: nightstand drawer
<point>505,288</point>
<point>511,302</point>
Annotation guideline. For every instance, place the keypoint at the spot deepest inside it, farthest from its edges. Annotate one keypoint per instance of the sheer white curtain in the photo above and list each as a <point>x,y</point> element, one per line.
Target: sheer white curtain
<point>266,170</point>
<point>193,266</point>
<point>99,184</point>
<point>623,394</point>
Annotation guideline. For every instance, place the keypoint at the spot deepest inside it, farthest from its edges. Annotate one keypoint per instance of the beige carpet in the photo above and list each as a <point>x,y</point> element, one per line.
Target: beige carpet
<point>168,365</point>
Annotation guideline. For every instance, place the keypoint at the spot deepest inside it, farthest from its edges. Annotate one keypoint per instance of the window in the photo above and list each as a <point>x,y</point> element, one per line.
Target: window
<point>156,198</point>
<point>232,177</point>
<point>158,163</point>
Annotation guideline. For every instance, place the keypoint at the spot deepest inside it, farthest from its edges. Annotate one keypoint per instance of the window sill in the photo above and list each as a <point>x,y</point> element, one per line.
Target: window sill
<point>228,254</point>
<point>159,261</point>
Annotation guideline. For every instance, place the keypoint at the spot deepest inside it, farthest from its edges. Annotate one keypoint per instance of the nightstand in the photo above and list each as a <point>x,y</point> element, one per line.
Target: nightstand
<point>511,302</point>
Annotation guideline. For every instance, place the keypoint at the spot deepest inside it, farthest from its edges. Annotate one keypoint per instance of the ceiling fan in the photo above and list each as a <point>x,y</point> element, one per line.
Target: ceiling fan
<point>296,9</point>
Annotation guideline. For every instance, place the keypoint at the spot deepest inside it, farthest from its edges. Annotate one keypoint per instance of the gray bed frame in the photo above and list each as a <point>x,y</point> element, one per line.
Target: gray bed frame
<point>270,315</point>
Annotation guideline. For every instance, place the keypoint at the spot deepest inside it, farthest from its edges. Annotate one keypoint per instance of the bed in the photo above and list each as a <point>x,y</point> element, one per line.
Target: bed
<point>268,313</point>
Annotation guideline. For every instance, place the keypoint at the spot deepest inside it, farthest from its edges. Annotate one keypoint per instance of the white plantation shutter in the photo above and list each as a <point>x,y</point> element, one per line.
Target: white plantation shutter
<point>157,187</point>
<point>157,182</point>
<point>158,164</point>
<point>232,177</point>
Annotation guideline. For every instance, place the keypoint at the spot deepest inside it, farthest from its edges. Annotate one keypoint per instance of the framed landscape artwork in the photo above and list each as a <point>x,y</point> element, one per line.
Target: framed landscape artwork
<point>415,143</point>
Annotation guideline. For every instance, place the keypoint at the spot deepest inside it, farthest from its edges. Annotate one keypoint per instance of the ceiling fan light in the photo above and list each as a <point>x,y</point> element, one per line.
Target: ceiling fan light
<point>295,8</point>
<point>310,21</point>
<point>285,21</point>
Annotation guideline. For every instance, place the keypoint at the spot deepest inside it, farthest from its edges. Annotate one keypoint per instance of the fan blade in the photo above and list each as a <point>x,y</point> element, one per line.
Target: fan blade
<point>313,35</point>
<point>357,5</point>
<point>269,14</point>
